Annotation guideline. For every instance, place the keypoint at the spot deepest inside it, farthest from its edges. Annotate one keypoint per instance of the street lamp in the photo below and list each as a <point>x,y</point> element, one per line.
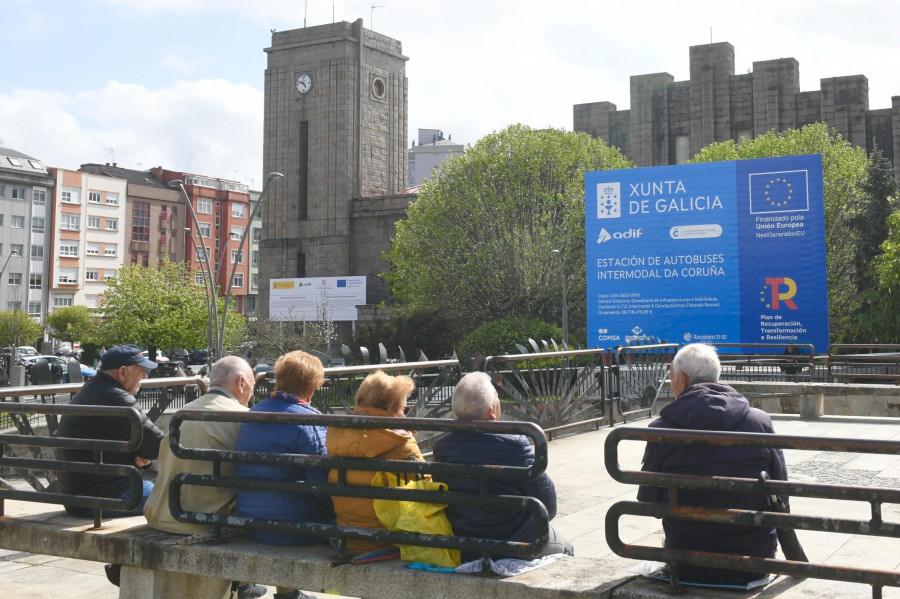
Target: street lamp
<point>210,301</point>
<point>269,178</point>
<point>213,323</point>
<point>565,305</point>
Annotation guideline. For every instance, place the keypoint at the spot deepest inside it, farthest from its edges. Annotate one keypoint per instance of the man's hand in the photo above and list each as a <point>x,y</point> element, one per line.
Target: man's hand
<point>141,462</point>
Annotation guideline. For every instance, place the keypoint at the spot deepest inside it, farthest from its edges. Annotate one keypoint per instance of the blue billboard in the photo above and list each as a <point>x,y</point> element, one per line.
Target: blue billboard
<point>722,252</point>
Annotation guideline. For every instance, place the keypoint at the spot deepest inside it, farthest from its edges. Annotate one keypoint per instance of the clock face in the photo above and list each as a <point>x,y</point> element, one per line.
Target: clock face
<point>304,83</point>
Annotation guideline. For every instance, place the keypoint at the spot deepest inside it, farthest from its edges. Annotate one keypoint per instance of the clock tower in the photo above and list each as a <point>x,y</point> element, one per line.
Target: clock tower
<point>336,127</point>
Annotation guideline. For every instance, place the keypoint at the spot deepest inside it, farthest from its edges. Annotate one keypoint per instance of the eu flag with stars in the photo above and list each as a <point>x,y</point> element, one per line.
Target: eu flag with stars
<point>784,191</point>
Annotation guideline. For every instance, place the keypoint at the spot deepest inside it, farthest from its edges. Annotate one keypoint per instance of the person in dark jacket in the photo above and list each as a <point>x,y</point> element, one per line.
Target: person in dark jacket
<point>475,398</point>
<point>297,376</point>
<point>119,378</point>
<point>702,403</point>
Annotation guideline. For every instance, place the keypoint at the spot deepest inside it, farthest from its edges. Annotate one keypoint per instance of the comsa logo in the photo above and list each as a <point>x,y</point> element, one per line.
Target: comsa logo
<point>605,235</point>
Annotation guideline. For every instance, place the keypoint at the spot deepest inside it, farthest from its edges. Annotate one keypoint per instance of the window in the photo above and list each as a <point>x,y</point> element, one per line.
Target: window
<point>93,222</point>
<point>13,305</point>
<point>37,252</point>
<point>1,220</point>
<point>218,221</point>
<point>68,275</point>
<point>112,224</point>
<point>71,222</point>
<point>92,301</point>
<point>14,161</point>
<point>94,197</point>
<point>68,248</point>
<point>109,275</point>
<point>37,225</point>
<point>237,233</point>
<point>204,230</point>
<point>72,195</point>
<point>15,249</point>
<point>140,221</point>
<point>61,301</point>
<point>92,275</point>
<point>257,234</point>
<point>142,258</point>
<point>39,197</point>
<point>251,304</point>
<point>15,278</point>
<point>34,309</point>
<point>238,280</point>
<point>92,248</point>
<point>35,281</point>
<point>112,199</point>
<point>199,279</point>
<point>35,165</point>
<point>254,280</point>
<point>255,258</point>
<point>237,256</point>
<point>111,249</point>
<point>2,190</point>
<point>238,210</point>
<point>18,193</point>
<point>204,206</point>
<point>18,222</point>
<point>200,255</point>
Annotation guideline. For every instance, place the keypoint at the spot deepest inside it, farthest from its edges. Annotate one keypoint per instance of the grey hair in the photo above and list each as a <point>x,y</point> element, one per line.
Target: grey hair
<point>226,371</point>
<point>699,362</point>
<point>473,397</point>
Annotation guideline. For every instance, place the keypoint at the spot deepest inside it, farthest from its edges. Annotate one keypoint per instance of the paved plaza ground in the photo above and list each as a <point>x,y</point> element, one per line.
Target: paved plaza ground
<point>585,493</point>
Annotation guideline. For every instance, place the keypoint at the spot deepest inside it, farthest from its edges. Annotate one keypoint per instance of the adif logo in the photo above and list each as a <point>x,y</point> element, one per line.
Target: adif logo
<point>618,235</point>
<point>609,200</point>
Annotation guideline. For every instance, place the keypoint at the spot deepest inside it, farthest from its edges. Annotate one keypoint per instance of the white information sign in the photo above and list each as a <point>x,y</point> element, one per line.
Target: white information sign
<point>305,299</point>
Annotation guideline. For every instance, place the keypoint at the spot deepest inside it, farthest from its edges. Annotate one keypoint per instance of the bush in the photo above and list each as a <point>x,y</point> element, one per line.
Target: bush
<point>500,336</point>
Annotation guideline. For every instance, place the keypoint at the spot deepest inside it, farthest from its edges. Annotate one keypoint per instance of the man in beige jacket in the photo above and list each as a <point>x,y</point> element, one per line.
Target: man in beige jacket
<point>231,387</point>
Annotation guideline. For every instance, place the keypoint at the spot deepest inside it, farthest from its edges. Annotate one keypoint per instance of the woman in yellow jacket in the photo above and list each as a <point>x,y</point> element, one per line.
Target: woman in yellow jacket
<point>378,395</point>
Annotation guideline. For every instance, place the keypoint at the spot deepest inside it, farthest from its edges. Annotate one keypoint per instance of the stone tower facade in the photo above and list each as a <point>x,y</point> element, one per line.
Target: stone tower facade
<point>670,121</point>
<point>335,125</point>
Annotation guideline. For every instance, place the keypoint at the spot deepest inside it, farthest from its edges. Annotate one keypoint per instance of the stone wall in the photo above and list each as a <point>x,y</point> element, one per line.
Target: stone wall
<point>716,105</point>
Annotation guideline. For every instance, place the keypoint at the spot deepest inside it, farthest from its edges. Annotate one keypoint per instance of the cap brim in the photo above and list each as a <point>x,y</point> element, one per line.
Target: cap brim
<point>146,363</point>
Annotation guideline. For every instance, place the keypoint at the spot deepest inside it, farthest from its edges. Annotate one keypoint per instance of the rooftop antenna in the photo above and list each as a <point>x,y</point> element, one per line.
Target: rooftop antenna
<point>139,166</point>
<point>372,15</point>
<point>332,12</point>
<point>305,6</point>
<point>112,155</point>
<point>710,35</point>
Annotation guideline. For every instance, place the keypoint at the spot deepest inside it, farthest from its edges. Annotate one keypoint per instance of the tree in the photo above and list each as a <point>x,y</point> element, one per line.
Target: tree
<point>155,307</point>
<point>18,328</point>
<point>845,173</point>
<point>74,323</point>
<point>476,243</point>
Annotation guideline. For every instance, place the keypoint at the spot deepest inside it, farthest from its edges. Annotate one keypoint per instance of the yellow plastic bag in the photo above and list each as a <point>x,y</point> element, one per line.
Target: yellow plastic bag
<point>414,516</point>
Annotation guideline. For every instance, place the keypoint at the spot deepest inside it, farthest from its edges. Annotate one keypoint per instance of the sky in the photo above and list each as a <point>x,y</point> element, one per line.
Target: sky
<point>179,83</point>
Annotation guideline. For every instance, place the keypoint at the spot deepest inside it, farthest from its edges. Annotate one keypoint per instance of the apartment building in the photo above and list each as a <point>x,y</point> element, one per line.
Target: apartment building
<point>251,247</point>
<point>222,207</point>
<point>155,216</point>
<point>26,185</point>
<point>87,237</point>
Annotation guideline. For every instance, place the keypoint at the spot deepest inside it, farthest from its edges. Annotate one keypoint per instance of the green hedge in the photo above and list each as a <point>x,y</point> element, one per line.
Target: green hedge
<point>500,336</point>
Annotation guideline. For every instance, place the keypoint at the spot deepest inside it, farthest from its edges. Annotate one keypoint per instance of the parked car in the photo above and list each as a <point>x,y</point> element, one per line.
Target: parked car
<point>168,369</point>
<point>179,355</point>
<point>160,358</point>
<point>59,368</point>
<point>198,356</point>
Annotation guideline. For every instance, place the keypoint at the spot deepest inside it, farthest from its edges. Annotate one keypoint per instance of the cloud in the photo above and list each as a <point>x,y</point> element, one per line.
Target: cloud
<point>208,126</point>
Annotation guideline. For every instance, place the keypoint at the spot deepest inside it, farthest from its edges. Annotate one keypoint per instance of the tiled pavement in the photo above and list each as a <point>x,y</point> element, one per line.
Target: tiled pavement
<point>585,492</point>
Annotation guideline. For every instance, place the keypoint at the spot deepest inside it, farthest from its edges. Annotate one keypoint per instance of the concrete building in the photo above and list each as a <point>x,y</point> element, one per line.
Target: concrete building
<point>87,237</point>
<point>669,121</point>
<point>26,185</point>
<point>155,216</point>
<point>223,211</point>
<point>428,155</point>
<point>252,248</point>
<point>336,127</point>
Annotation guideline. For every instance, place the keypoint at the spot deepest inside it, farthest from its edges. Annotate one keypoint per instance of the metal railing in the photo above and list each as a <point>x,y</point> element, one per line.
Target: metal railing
<point>483,499</point>
<point>861,363</point>
<point>637,376</point>
<point>39,466</point>
<point>767,362</point>
<point>874,526</point>
<point>551,389</point>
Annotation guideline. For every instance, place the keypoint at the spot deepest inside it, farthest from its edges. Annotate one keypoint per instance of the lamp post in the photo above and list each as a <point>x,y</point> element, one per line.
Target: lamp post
<point>565,305</point>
<point>213,324</point>
<point>262,195</point>
<point>210,301</point>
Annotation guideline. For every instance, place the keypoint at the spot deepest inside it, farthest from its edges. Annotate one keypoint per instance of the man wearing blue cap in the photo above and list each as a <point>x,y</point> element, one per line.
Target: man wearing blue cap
<point>119,378</point>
